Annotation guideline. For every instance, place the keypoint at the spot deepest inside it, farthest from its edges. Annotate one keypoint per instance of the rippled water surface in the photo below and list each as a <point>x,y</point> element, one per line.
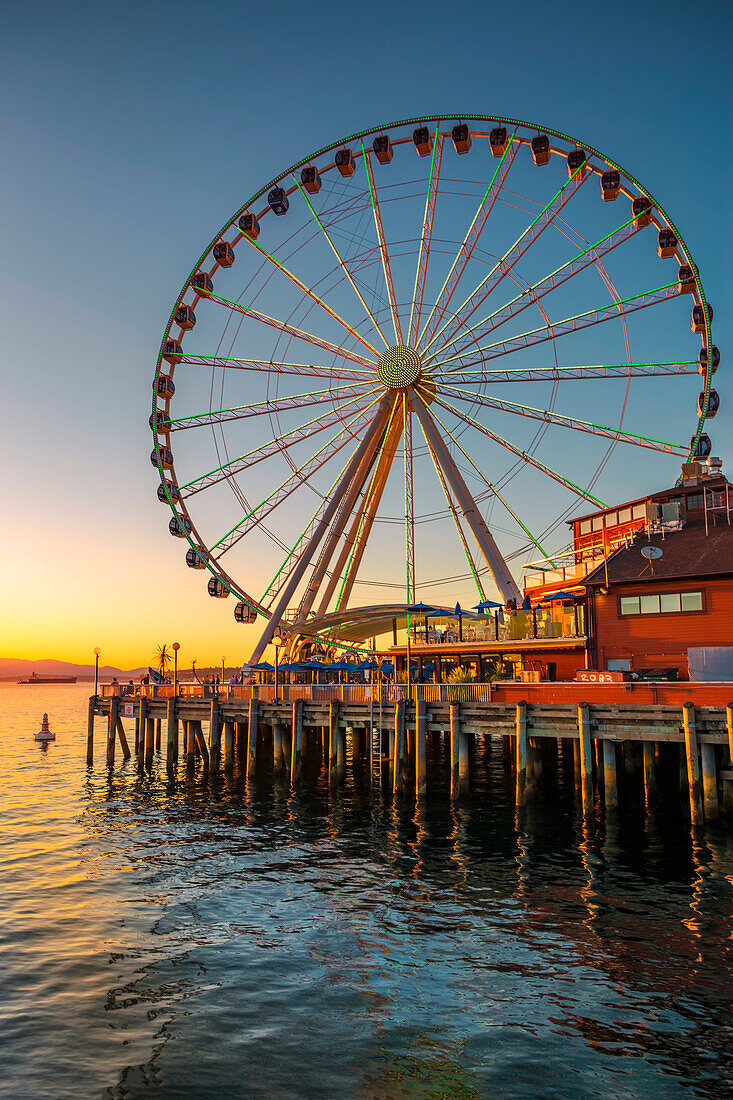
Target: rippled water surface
<point>207,939</point>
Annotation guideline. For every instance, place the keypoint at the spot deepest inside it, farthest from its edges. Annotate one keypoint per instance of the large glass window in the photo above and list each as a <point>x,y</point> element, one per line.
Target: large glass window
<point>694,502</point>
<point>665,603</point>
<point>639,511</point>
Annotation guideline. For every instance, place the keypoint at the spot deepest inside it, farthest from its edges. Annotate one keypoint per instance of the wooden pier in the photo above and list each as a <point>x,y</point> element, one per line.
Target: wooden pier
<point>607,741</point>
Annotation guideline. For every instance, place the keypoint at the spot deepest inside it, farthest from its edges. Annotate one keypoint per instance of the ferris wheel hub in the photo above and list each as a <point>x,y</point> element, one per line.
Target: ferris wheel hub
<point>399,367</point>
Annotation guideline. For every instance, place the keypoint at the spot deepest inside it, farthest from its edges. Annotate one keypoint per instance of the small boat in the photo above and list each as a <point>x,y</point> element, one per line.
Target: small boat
<point>45,734</point>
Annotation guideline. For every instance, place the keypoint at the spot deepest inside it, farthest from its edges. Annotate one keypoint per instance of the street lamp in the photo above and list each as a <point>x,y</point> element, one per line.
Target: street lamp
<point>175,647</point>
<point>97,651</point>
<point>222,669</point>
<point>277,641</point>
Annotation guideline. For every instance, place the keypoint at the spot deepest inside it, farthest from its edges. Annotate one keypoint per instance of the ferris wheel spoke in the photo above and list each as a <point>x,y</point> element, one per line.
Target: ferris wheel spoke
<point>558,420</point>
<point>532,294</point>
<point>266,366</point>
<point>409,501</point>
<point>519,453</point>
<point>373,430</point>
<point>503,266</point>
<point>426,237</point>
<point>573,373</point>
<point>338,525</point>
<point>382,247</point>
<point>355,543</point>
<point>342,262</point>
<point>560,328</point>
<point>471,238</point>
<point>457,522</point>
<point>275,446</point>
<point>494,490</point>
<point>313,296</point>
<point>289,330</point>
<point>255,516</point>
<point>259,408</point>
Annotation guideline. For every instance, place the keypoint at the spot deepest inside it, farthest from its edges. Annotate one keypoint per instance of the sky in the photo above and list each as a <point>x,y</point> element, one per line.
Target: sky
<point>131,132</point>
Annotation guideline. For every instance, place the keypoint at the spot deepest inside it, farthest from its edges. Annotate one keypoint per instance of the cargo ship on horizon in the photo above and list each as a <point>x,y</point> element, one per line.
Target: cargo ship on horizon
<point>34,678</point>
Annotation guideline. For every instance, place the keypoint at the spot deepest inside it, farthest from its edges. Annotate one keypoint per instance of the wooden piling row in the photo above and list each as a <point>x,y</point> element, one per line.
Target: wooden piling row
<point>406,727</point>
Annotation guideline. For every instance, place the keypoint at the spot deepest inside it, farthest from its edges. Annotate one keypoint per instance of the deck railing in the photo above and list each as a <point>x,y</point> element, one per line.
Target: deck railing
<point>315,693</point>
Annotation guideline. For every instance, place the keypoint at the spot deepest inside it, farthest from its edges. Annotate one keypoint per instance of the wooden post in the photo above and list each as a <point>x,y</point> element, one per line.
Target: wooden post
<point>278,755</point>
<point>586,754</point>
<point>455,733</point>
<point>190,745</point>
<point>198,735</point>
<point>112,729</point>
<point>729,724</point>
<point>228,744</point>
<point>333,726</point>
<point>123,739</point>
<point>610,785</point>
<point>421,725</point>
<point>296,741</point>
<point>398,772</point>
<point>462,761</point>
<point>149,740</point>
<point>158,733</point>
<point>214,732</point>
<point>141,721</point>
<point>137,730</point>
<point>522,749</point>
<point>171,749</point>
<point>240,737</point>
<point>709,781</point>
<point>693,762</point>
<point>253,718</point>
<point>90,731</point>
<point>650,775</point>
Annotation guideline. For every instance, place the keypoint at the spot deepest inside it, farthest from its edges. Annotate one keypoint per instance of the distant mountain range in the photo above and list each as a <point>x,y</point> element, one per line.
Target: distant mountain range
<point>14,667</point>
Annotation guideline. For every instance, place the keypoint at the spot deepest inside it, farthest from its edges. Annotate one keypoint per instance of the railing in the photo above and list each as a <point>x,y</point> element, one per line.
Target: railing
<point>312,693</point>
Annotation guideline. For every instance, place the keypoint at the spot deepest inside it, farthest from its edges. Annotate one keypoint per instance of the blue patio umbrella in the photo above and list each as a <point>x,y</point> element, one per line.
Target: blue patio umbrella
<point>486,605</point>
<point>458,611</point>
<point>423,609</point>
<point>526,604</point>
<point>552,596</point>
<point>263,666</point>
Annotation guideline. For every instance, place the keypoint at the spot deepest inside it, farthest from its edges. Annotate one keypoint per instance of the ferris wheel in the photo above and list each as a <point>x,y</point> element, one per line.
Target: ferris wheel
<point>404,362</point>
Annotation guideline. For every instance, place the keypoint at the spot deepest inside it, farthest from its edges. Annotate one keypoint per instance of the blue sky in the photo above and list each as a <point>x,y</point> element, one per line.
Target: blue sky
<point>132,132</point>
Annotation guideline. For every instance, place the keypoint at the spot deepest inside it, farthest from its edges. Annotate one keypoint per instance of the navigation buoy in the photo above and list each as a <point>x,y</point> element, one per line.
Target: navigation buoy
<point>45,734</point>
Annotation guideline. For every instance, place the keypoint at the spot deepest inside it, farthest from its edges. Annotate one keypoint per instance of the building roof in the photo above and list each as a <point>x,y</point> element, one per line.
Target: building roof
<point>688,553</point>
<point>712,484</point>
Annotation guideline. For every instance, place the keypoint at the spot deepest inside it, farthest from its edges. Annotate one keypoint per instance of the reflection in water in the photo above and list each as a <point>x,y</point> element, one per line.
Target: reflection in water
<point>234,935</point>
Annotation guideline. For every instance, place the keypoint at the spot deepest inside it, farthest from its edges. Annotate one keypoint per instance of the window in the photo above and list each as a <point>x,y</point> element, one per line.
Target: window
<point>585,527</point>
<point>611,519</point>
<point>624,515</point>
<point>695,502</point>
<point>664,603</point>
<point>597,523</point>
<point>639,511</point>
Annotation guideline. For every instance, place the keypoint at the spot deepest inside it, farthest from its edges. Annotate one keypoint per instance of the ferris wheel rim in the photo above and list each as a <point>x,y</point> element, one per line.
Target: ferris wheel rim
<point>659,211</point>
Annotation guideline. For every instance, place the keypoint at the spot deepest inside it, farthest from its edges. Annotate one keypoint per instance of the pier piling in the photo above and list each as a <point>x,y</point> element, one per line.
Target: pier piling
<point>693,762</point>
<point>253,719</point>
<point>522,750</point>
<point>171,748</point>
<point>228,744</point>
<point>90,732</point>
<point>296,742</point>
<point>610,784</point>
<point>586,754</point>
<point>400,747</point>
<point>149,740</point>
<point>112,730</point>
<point>421,728</point>
<point>709,781</point>
<point>123,738</point>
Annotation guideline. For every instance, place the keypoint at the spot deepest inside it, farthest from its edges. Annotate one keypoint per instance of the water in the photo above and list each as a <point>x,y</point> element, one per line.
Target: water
<point>160,939</point>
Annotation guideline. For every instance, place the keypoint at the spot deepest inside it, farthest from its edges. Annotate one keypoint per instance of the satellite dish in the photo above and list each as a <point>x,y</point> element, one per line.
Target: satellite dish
<point>651,552</point>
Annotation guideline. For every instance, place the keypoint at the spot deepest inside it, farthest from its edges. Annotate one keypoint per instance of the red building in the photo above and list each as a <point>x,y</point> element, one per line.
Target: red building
<point>671,589</point>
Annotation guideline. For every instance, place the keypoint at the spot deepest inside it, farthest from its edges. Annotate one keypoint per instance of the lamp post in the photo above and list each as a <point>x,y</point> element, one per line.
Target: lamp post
<point>176,646</point>
<point>222,670</point>
<point>277,641</point>
<point>97,651</point>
